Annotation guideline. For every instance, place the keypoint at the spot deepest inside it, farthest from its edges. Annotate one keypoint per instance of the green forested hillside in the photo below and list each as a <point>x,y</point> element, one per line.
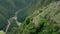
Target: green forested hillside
<point>30,16</point>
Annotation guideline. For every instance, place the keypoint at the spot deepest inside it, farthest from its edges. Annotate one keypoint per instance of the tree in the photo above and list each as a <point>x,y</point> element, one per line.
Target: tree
<point>3,22</point>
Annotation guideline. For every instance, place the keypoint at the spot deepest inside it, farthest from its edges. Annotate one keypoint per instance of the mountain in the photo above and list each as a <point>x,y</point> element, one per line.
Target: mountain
<point>10,8</point>
<point>30,16</point>
<point>44,20</point>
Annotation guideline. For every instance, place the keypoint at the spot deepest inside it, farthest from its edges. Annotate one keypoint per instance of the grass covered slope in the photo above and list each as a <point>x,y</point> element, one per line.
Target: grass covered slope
<point>42,21</point>
<point>43,16</point>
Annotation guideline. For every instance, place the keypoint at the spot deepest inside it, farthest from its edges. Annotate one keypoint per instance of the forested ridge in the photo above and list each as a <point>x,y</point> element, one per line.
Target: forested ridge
<point>29,16</point>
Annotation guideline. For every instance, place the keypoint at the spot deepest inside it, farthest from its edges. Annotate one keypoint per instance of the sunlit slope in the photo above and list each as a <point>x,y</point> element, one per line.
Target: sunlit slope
<point>34,9</point>
<point>42,21</point>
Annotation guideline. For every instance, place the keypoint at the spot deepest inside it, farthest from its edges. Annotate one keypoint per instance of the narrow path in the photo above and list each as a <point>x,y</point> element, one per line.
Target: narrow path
<point>15,18</point>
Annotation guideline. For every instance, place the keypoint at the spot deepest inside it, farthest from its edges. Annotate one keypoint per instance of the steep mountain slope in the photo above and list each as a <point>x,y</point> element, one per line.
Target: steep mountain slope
<point>8,8</point>
<point>40,14</point>
<point>42,21</point>
<point>23,8</point>
<point>47,21</point>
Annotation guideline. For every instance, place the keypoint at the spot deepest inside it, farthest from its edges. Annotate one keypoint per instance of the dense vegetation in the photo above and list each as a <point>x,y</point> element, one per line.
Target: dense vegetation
<point>30,16</point>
